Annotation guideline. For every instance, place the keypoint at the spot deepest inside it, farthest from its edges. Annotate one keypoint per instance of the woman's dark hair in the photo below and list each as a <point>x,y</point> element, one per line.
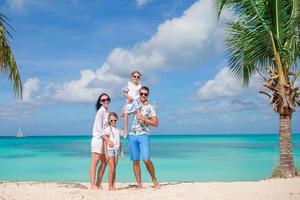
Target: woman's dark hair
<point>98,104</point>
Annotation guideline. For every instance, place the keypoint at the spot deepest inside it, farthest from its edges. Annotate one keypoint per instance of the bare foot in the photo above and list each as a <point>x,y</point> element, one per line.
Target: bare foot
<point>111,189</point>
<point>156,185</point>
<point>94,187</point>
<point>100,187</point>
<point>139,187</point>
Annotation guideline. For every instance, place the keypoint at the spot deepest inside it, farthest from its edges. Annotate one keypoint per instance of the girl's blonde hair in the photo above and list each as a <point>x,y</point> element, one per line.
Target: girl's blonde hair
<point>113,114</point>
<point>132,73</point>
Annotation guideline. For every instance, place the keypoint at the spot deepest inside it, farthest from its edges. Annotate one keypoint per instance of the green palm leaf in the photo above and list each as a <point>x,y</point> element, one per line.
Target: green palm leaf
<point>8,63</point>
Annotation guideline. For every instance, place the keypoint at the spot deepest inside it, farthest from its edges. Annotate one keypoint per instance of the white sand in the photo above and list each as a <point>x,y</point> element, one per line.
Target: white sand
<point>273,189</point>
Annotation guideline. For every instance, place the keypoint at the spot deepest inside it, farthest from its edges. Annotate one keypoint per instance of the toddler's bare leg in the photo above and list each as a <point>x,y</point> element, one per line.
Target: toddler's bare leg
<point>122,114</point>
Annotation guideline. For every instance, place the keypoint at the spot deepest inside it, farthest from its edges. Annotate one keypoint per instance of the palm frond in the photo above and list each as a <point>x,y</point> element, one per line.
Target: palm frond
<point>8,63</point>
<point>248,37</point>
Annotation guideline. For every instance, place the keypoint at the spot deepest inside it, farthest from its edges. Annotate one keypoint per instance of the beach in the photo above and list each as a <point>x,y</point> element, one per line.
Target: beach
<point>270,189</point>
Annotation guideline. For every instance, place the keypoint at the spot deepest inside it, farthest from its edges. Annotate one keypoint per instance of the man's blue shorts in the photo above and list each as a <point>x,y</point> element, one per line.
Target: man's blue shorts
<point>139,147</point>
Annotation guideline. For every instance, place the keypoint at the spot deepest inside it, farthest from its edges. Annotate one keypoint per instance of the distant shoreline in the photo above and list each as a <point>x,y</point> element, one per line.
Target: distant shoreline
<point>213,134</point>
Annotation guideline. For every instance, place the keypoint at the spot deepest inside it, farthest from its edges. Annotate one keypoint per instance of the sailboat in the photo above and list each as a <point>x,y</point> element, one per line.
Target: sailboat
<point>20,133</point>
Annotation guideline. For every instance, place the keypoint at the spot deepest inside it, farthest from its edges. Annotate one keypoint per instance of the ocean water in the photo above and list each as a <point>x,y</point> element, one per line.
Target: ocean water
<point>201,158</point>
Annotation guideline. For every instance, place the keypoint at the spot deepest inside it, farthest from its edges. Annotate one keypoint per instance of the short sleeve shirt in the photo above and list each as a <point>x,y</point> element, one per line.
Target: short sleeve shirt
<point>137,128</point>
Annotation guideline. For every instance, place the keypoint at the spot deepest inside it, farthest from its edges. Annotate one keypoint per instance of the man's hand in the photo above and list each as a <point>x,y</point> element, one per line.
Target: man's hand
<point>141,119</point>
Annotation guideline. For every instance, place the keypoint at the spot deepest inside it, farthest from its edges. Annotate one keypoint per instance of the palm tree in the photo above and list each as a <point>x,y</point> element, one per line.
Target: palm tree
<point>8,63</point>
<point>264,37</point>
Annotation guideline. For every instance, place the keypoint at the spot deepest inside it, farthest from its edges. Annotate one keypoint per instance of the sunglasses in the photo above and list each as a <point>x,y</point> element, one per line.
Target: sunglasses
<point>136,76</point>
<point>105,100</point>
<point>143,94</point>
<point>113,120</point>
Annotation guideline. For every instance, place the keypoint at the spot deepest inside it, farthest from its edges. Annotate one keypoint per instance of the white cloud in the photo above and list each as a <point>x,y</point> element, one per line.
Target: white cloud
<point>15,5</point>
<point>16,111</point>
<point>184,41</point>
<point>89,86</point>
<point>225,85</point>
<point>297,83</point>
<point>30,89</point>
<point>180,42</point>
<point>142,2</point>
<point>227,106</point>
<point>221,106</point>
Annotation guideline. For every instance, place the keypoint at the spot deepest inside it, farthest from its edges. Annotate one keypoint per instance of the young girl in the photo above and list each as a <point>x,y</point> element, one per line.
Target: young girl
<point>131,92</point>
<point>112,153</point>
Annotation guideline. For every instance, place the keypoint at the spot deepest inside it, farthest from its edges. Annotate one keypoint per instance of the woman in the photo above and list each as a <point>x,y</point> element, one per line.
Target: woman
<point>97,147</point>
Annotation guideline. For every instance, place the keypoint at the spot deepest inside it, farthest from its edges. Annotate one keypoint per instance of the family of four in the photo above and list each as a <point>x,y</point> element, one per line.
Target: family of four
<point>106,146</point>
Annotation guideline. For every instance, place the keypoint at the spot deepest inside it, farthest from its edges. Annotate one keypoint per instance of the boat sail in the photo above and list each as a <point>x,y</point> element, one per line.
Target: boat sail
<point>20,133</point>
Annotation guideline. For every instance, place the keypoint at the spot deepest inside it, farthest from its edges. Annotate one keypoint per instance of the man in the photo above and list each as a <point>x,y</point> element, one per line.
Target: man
<point>139,144</point>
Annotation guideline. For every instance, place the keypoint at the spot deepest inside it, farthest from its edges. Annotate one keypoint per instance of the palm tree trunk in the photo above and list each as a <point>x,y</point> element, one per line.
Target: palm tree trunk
<point>286,167</point>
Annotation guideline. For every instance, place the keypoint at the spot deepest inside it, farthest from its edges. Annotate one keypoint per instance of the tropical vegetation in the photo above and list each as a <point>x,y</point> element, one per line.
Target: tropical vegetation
<point>263,38</point>
<point>8,64</point>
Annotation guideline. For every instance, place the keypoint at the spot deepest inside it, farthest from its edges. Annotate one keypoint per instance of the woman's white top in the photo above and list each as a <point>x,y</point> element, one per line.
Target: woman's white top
<point>101,121</point>
<point>114,135</point>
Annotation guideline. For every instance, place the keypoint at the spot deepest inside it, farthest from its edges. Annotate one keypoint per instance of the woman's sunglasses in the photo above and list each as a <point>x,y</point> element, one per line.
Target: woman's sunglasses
<point>105,100</point>
<point>136,77</point>
<point>113,120</point>
<point>143,94</point>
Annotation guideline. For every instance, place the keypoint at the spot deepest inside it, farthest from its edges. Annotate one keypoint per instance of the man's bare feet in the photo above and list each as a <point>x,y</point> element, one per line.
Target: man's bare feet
<point>156,185</point>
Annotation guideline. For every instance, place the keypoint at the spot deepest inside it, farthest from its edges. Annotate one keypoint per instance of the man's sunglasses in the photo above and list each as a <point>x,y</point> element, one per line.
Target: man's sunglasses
<point>143,94</point>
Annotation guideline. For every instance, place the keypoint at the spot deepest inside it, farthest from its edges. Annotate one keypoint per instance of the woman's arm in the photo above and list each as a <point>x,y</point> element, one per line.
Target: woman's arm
<point>98,124</point>
<point>107,140</point>
<point>105,150</point>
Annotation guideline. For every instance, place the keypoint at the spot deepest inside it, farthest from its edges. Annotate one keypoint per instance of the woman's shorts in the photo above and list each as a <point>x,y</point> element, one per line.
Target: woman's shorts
<point>97,145</point>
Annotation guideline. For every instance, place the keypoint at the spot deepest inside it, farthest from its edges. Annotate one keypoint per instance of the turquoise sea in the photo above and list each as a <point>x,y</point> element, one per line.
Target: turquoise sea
<point>176,158</point>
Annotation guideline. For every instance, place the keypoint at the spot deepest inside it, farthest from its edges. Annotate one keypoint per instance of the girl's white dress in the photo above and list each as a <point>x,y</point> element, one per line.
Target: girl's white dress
<point>133,91</point>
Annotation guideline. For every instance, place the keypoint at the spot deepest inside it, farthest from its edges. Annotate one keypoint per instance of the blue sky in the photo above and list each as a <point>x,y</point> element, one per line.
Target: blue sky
<point>70,51</point>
